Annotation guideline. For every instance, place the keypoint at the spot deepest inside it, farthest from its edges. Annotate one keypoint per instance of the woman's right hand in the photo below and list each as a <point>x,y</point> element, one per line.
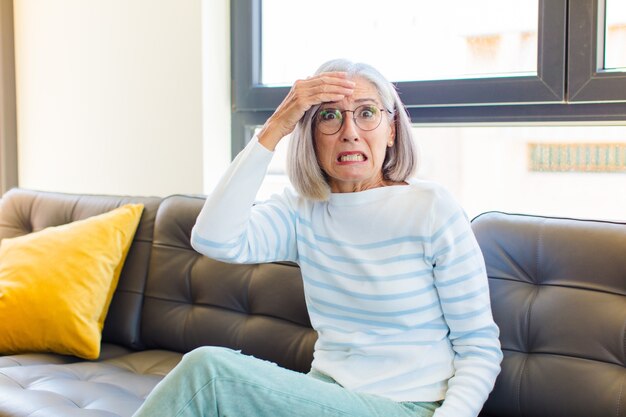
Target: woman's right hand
<point>304,94</point>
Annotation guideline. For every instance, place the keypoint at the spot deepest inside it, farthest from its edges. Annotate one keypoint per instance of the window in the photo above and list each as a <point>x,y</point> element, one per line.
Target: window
<point>481,38</point>
<point>589,77</point>
<point>615,35</point>
<point>557,170</point>
<point>543,82</point>
<point>563,89</point>
<point>564,28</point>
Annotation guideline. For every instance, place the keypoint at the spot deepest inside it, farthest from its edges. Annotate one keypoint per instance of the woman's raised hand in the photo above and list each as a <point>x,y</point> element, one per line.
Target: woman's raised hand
<point>328,86</point>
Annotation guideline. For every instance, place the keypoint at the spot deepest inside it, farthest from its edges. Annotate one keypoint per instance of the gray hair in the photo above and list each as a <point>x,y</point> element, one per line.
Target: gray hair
<point>400,162</point>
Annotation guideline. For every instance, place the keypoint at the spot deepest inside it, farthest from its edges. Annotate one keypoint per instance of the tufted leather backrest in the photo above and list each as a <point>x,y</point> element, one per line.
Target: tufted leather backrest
<point>24,211</point>
<point>558,289</point>
<point>191,300</point>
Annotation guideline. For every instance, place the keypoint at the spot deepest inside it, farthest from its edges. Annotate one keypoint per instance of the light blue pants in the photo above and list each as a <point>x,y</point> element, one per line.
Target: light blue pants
<point>213,381</point>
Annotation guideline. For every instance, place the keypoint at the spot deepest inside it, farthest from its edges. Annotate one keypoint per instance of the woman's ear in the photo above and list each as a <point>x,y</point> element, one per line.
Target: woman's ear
<point>392,133</point>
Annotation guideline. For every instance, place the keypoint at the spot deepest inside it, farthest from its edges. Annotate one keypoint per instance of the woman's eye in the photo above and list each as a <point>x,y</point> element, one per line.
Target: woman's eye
<point>367,113</point>
<point>329,115</point>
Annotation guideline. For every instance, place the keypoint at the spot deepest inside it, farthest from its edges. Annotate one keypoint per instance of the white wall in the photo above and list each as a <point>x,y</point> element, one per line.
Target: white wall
<point>110,95</point>
<point>216,90</point>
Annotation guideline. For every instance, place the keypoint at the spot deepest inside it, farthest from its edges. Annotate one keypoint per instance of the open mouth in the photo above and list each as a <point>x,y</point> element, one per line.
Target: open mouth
<point>351,157</point>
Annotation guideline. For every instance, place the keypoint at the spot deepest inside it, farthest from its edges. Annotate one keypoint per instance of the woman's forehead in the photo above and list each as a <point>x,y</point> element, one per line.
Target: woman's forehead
<point>364,87</point>
<point>364,92</point>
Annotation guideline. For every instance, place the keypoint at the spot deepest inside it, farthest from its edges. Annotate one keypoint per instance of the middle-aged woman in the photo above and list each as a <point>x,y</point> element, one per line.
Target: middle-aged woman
<point>394,281</point>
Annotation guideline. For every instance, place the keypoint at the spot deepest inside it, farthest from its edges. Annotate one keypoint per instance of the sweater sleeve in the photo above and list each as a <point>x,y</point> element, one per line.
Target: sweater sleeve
<point>232,228</point>
<point>461,281</point>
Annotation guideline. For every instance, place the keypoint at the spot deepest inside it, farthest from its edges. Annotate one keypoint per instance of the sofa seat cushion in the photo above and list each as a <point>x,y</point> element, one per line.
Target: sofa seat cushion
<point>107,351</point>
<point>111,388</point>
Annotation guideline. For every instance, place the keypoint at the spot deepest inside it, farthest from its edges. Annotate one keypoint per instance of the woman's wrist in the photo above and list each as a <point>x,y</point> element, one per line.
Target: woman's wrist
<point>269,136</point>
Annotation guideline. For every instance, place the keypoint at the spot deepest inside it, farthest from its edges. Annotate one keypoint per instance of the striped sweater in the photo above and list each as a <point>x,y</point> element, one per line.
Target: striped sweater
<point>394,281</point>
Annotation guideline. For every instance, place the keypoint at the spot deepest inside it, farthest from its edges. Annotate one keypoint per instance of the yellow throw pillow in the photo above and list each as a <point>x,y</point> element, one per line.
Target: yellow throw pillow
<point>56,284</point>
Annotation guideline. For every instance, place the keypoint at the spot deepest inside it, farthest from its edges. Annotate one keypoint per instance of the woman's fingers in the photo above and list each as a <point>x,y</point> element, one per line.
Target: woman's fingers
<point>314,90</point>
<point>328,87</point>
<point>319,89</point>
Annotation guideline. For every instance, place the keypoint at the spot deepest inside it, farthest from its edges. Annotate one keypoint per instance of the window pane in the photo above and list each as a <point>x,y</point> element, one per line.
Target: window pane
<point>568,171</point>
<point>615,35</point>
<point>405,39</point>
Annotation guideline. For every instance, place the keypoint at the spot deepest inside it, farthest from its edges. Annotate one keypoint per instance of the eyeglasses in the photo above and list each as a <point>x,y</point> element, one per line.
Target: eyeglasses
<point>366,117</point>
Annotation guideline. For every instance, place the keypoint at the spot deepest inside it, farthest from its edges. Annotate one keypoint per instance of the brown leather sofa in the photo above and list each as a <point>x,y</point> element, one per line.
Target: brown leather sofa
<point>558,289</point>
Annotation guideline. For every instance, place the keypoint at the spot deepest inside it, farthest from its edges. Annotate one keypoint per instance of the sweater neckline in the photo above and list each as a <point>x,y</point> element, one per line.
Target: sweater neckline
<point>367,196</point>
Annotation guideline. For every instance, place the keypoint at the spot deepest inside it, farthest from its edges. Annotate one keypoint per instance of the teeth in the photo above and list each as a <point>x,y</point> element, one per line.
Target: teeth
<point>352,158</point>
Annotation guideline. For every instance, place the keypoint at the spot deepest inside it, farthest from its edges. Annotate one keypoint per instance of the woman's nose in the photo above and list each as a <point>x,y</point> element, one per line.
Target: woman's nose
<point>349,130</point>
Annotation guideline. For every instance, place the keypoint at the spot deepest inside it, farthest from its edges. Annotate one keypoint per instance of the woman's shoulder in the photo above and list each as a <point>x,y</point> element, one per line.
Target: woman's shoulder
<point>429,189</point>
<point>437,197</point>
